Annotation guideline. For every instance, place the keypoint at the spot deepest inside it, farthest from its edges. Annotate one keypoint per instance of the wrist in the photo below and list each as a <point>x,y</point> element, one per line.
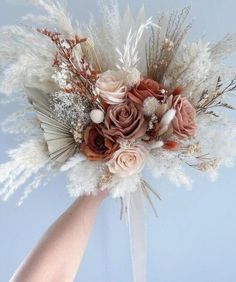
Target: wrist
<point>101,195</point>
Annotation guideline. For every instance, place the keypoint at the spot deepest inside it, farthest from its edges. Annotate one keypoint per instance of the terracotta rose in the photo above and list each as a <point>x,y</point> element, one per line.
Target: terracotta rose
<point>124,121</point>
<point>97,147</point>
<point>184,124</point>
<point>146,88</point>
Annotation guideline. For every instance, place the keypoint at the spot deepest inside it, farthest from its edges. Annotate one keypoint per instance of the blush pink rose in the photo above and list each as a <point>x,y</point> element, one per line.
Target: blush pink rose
<point>128,161</point>
<point>111,87</point>
<point>146,88</point>
<point>184,123</point>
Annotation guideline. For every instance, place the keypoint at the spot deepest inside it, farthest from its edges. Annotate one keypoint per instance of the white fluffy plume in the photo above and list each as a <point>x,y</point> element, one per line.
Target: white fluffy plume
<point>163,163</point>
<point>113,31</point>
<point>84,178</point>
<point>190,68</point>
<point>223,48</point>
<point>73,161</point>
<point>26,55</point>
<point>25,161</point>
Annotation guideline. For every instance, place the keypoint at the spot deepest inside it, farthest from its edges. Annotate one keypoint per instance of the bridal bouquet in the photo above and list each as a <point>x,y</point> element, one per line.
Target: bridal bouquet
<point>104,100</point>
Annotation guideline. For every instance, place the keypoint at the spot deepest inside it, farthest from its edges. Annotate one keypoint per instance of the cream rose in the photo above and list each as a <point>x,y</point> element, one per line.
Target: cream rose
<point>111,86</point>
<point>128,160</point>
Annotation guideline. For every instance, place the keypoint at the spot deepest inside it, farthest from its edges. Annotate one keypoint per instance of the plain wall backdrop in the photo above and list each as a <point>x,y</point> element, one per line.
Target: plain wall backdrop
<point>194,238</point>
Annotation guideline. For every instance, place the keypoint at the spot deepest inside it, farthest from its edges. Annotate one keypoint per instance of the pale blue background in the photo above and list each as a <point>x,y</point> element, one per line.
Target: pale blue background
<point>194,238</point>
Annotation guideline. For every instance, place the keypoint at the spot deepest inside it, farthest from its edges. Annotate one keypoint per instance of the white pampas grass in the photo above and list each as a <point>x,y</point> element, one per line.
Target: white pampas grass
<point>26,55</point>
<point>190,68</point>
<point>198,65</point>
<point>27,160</point>
<point>23,122</point>
<point>111,34</point>
<point>56,16</point>
<point>41,179</point>
<point>221,132</point>
<point>106,36</point>
<point>28,62</point>
<point>119,187</point>
<point>224,48</point>
<point>84,178</point>
<point>164,163</point>
<point>73,161</point>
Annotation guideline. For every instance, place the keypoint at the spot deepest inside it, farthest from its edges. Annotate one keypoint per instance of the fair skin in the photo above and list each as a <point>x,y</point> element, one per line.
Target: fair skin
<point>57,256</point>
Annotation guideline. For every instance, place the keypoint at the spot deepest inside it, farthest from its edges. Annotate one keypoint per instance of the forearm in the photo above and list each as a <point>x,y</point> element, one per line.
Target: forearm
<point>58,254</point>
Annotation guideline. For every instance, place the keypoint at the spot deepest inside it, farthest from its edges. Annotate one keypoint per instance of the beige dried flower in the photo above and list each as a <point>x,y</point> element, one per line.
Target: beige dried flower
<point>78,132</point>
<point>194,149</point>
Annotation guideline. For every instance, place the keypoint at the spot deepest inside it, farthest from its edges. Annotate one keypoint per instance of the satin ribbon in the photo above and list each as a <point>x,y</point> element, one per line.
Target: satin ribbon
<point>137,234</point>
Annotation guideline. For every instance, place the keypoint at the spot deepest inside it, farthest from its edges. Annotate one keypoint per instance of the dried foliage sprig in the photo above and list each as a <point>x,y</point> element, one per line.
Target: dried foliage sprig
<point>161,51</point>
<point>83,76</point>
<point>208,100</point>
<point>204,163</point>
<point>193,157</point>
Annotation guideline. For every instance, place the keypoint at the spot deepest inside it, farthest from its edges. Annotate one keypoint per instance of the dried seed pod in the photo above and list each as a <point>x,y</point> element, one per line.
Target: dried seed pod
<point>150,106</point>
<point>97,116</point>
<point>177,91</point>
<point>161,110</point>
<point>170,145</point>
<point>167,134</point>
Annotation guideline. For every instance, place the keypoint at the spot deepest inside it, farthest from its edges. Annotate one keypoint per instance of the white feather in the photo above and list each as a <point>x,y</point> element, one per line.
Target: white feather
<point>168,117</point>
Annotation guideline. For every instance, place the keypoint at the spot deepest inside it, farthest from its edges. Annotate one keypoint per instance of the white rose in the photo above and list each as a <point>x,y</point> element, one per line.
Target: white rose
<point>129,160</point>
<point>111,86</point>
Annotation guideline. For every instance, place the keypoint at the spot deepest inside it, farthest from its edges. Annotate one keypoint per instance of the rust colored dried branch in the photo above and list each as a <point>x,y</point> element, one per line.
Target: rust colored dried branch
<point>83,76</point>
<point>56,36</point>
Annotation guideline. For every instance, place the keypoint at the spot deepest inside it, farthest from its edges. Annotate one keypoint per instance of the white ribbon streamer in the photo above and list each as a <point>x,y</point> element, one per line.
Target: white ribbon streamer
<point>137,234</point>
